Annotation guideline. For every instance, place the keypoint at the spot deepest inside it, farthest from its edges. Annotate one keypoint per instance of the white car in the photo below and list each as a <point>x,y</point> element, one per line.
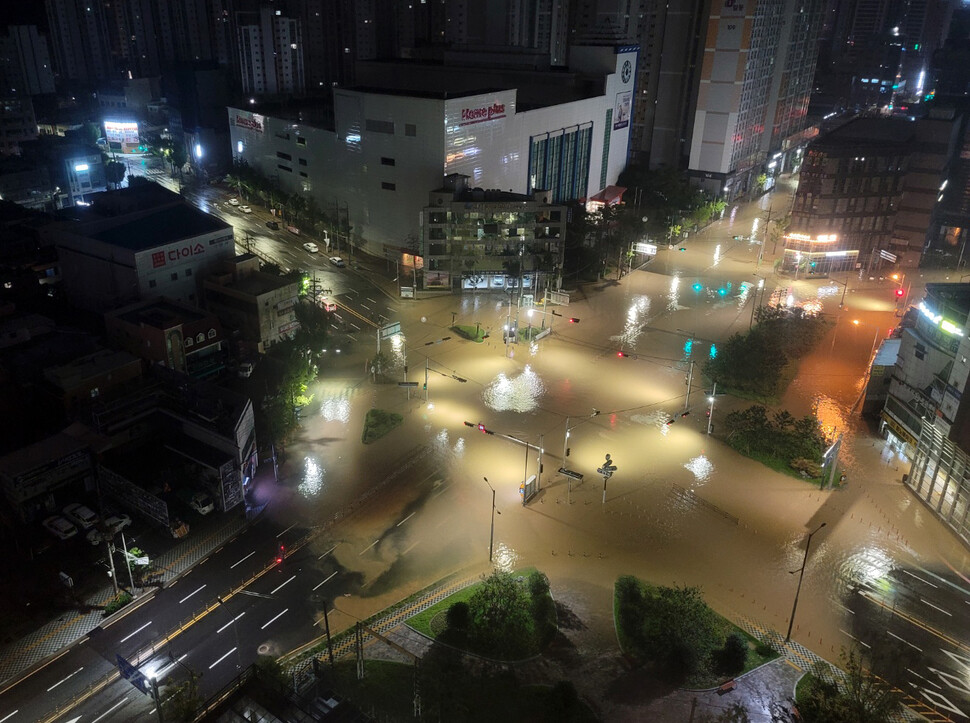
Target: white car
<point>245,209</point>
<point>81,516</point>
<point>310,247</point>
<point>59,527</point>
<point>113,524</point>
<point>201,503</point>
<point>337,261</point>
<point>233,201</point>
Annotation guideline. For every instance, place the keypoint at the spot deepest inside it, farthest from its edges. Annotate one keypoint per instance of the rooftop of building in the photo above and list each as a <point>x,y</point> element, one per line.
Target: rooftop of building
<point>159,313</point>
<point>951,300</point>
<point>39,453</point>
<point>77,371</point>
<point>871,131</point>
<point>258,283</point>
<point>159,226</point>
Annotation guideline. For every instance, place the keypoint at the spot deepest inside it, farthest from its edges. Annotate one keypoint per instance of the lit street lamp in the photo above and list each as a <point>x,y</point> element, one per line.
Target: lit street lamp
<point>801,574</point>
<point>491,534</point>
<point>710,412</point>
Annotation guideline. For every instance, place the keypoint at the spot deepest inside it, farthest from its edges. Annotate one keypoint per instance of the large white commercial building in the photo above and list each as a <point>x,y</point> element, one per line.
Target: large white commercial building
<point>387,149</point>
<point>138,243</point>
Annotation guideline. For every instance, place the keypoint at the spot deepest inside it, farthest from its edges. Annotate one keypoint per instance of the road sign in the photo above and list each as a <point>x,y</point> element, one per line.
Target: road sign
<point>130,673</point>
<point>571,474</point>
<point>883,254</point>
<point>407,384</point>
<point>389,330</point>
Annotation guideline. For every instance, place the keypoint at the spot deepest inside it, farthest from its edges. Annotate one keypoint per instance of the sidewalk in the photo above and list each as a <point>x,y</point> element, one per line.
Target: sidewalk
<point>21,655</point>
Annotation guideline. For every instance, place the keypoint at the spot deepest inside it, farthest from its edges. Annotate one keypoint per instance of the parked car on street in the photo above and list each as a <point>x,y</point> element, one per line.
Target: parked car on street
<point>81,515</point>
<point>337,261</point>
<point>198,501</point>
<point>293,230</point>
<point>246,370</point>
<point>59,527</point>
<point>233,201</point>
<point>311,247</point>
<point>245,209</point>
<point>328,305</point>
<point>273,225</point>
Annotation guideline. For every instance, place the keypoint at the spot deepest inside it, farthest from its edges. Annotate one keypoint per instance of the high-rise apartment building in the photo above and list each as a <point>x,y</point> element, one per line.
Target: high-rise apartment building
<point>25,63</point>
<point>80,40</point>
<point>270,53</point>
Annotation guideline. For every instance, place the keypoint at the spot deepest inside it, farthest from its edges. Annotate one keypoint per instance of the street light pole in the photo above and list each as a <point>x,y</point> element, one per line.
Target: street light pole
<point>801,574</point>
<point>491,533</point>
<point>710,413</point>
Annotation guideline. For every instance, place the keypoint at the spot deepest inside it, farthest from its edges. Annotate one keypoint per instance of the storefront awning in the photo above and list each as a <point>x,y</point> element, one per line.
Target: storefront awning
<point>609,196</point>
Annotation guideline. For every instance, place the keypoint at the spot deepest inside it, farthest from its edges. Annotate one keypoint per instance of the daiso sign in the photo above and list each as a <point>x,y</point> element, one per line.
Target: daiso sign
<point>482,113</point>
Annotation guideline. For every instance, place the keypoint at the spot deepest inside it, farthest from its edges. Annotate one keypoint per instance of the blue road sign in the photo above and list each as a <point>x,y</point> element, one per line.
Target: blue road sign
<point>130,673</point>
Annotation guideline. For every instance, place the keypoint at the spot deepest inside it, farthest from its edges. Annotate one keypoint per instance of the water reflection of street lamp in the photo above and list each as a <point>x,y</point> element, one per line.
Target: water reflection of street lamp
<point>801,574</point>
<point>491,534</point>
<point>710,412</point>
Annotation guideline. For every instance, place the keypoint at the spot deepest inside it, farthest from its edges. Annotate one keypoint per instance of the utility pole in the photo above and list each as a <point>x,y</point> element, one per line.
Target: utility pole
<point>427,366</point>
<point>710,413</point>
<point>111,561</point>
<point>690,378</point>
<point>326,624</point>
<point>124,546</point>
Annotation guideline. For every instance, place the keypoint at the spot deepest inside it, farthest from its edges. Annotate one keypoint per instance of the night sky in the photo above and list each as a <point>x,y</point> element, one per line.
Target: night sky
<point>23,13</point>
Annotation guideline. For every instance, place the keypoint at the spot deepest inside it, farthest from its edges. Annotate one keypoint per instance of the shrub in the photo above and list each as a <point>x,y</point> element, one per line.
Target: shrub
<point>812,469</point>
<point>734,653</point>
<point>538,584</point>
<point>118,602</point>
<point>544,617</point>
<point>459,617</point>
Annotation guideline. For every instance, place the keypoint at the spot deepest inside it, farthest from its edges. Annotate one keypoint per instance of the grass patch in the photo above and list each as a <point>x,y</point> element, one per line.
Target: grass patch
<point>802,688</point>
<point>530,332</point>
<point>378,423</point>
<point>422,621</point>
<point>473,333</point>
<point>780,465</point>
<point>710,674</point>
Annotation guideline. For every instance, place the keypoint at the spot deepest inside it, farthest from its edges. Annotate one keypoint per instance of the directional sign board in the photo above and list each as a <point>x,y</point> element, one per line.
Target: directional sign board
<point>389,330</point>
<point>569,473</point>
<point>130,673</point>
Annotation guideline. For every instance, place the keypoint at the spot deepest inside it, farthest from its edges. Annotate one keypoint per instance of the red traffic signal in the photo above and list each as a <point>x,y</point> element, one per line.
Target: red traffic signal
<point>622,353</point>
<point>900,292</point>
<point>481,428</point>
<point>573,320</point>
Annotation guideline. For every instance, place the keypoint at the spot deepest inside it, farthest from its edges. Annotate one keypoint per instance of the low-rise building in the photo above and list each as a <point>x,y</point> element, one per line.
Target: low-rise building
<point>137,243</point>
<point>260,305</point>
<point>102,374</point>
<point>474,239</point>
<point>17,124</point>
<point>41,477</point>
<point>171,333</point>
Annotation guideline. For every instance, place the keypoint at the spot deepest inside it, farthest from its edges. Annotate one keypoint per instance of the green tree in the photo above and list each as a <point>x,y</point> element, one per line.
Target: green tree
<point>857,697</point>
<point>501,624</point>
<point>178,157</point>
<point>114,172</point>
<point>181,700</point>
<point>734,654</point>
<point>679,630</point>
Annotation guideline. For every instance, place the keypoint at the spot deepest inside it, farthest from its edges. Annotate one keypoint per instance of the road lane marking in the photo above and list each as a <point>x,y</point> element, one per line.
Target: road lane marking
<point>319,558</point>
<point>367,548</point>
<point>242,560</point>
<point>191,594</point>
<point>918,623</point>
<point>222,658</point>
<point>286,530</point>
<point>131,635</point>
<point>9,715</point>
<point>410,548</point>
<point>861,642</point>
<point>935,607</point>
<point>405,519</point>
<point>111,709</point>
<point>283,585</point>
<point>925,582</point>
<point>903,641</point>
<point>65,679</point>
<point>230,622</point>
<point>922,678</point>
<point>274,619</point>
<point>325,581</point>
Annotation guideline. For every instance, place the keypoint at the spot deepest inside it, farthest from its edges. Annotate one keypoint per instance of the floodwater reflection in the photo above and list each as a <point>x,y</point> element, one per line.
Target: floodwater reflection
<point>518,394</point>
<point>312,479</point>
<point>701,467</point>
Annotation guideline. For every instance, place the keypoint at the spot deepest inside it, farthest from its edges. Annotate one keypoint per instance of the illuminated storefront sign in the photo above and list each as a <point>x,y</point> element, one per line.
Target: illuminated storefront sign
<point>948,326</point>
<point>124,132</point>
<point>482,114</point>
<point>249,121</point>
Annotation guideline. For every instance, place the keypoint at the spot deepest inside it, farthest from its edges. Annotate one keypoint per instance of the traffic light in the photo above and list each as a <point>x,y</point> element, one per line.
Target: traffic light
<point>622,353</point>
<point>568,450</point>
<point>470,424</point>
<point>899,293</point>
<point>483,430</point>
<point>573,320</point>
<point>688,347</point>
<point>713,352</point>
<point>281,553</point>
<point>697,286</point>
